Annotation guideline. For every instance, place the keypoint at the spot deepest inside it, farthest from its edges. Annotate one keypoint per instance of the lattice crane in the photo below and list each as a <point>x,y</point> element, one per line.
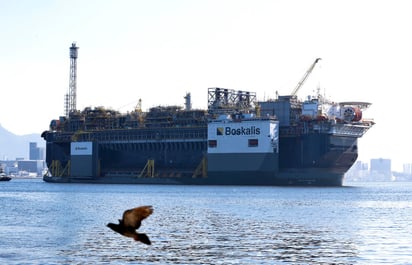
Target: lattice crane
<point>305,76</point>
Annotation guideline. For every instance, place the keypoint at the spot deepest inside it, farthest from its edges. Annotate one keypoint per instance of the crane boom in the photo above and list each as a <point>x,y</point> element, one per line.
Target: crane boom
<point>305,76</point>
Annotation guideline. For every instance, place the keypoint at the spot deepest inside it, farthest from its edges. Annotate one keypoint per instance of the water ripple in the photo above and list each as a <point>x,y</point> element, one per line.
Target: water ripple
<point>66,224</point>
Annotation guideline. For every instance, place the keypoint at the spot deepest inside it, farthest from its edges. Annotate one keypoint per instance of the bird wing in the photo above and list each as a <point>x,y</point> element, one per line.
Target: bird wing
<point>133,217</point>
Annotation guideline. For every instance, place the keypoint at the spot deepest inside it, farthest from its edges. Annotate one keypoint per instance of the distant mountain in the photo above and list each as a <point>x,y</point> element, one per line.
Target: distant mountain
<point>14,146</point>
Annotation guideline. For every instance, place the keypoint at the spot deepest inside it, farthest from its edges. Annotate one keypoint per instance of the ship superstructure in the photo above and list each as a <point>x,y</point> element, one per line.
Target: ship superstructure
<point>235,141</point>
<point>318,139</point>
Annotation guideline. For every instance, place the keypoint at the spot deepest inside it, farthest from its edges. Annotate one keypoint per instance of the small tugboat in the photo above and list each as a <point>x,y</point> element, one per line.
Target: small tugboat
<point>3,176</point>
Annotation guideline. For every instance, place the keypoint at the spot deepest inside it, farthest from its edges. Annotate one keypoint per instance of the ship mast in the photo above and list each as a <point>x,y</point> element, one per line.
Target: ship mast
<point>70,97</point>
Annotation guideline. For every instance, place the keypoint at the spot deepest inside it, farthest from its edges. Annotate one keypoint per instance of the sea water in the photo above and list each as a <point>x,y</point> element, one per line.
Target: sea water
<point>360,223</point>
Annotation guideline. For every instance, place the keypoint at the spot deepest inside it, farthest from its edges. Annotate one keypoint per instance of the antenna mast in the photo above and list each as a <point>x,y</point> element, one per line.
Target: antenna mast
<point>70,98</point>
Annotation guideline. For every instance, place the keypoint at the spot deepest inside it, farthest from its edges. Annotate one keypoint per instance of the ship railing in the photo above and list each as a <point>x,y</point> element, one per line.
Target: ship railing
<point>339,129</point>
<point>231,120</point>
<point>306,127</point>
<point>128,137</point>
<point>355,130</point>
<point>61,137</point>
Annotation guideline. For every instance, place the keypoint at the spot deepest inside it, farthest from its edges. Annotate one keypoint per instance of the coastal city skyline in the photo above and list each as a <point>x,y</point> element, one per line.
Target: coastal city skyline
<point>158,51</point>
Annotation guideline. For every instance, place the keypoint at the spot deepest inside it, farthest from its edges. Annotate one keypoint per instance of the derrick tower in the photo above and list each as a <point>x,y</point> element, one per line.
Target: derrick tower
<point>70,97</point>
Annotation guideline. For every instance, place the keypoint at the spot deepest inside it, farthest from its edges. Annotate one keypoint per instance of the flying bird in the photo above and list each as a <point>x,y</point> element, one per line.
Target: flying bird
<point>132,219</point>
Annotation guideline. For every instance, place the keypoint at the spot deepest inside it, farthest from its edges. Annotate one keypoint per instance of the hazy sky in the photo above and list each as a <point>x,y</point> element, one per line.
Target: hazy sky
<point>159,50</point>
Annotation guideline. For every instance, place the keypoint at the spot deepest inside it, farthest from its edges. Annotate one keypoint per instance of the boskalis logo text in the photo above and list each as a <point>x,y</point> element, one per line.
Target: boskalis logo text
<point>252,130</point>
<point>81,148</point>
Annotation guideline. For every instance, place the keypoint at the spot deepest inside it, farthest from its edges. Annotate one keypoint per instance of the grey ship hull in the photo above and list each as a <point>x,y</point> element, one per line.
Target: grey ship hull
<point>318,159</point>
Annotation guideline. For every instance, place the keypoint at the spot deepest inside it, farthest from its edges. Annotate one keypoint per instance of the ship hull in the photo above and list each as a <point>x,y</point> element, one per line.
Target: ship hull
<point>319,162</point>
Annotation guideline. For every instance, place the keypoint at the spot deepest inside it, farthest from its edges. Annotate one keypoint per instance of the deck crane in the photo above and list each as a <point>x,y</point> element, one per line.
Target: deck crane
<point>305,76</point>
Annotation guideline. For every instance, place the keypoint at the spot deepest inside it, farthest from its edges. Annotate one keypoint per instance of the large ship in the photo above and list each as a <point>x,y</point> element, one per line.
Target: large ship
<point>238,140</point>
